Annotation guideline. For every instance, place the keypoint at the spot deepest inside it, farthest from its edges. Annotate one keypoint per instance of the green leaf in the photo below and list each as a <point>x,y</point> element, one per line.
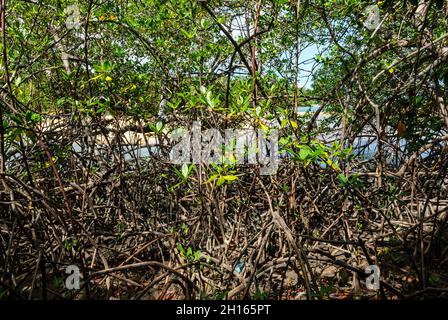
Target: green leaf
<point>294,124</point>
<point>230,178</point>
<point>35,117</point>
<point>185,170</point>
<point>205,23</point>
<point>333,165</point>
<point>197,255</point>
<point>18,81</point>
<point>187,34</point>
<point>212,177</point>
<point>181,249</point>
<point>220,181</point>
<point>209,99</point>
<point>304,153</point>
<point>106,65</point>
<point>342,178</point>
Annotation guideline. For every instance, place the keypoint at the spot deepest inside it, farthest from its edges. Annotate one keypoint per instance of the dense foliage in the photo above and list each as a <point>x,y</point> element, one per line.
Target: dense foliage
<point>364,182</point>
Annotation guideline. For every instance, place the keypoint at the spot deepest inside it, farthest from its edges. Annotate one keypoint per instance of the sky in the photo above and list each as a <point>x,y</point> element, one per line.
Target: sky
<point>306,63</point>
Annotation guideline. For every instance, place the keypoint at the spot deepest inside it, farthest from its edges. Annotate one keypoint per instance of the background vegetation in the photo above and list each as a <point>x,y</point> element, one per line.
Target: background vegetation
<point>365,181</point>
